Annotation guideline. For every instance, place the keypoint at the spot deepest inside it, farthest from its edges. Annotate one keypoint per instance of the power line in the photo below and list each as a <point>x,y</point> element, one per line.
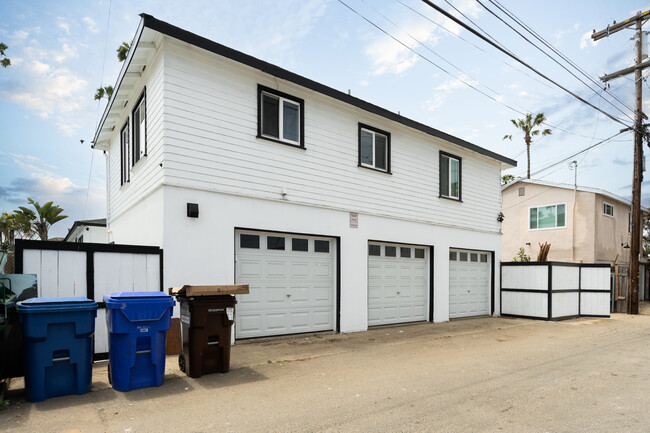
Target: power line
<point>555,50</point>
<point>496,45</point>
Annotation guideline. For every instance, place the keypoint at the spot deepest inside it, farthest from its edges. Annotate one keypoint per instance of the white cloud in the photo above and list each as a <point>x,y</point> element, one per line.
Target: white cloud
<point>586,40</point>
<point>90,25</point>
<point>66,52</point>
<point>21,34</point>
<point>444,90</point>
<point>39,68</point>
<point>63,25</point>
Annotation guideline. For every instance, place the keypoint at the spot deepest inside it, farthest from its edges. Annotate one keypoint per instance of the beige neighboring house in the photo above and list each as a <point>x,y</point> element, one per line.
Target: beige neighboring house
<point>582,224</point>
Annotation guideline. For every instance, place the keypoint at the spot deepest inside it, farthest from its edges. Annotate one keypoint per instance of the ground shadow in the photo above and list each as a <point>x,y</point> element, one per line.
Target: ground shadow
<point>72,400</point>
<point>173,385</point>
<point>236,376</point>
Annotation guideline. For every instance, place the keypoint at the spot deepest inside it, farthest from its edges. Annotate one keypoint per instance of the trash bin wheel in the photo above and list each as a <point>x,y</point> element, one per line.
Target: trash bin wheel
<point>181,362</point>
<point>110,381</point>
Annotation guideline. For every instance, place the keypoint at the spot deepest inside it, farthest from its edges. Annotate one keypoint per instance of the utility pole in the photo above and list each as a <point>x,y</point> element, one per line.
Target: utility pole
<point>638,21</point>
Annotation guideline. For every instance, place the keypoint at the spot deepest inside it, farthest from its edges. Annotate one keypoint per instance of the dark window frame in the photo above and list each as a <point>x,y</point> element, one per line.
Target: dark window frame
<point>263,89</point>
<point>460,176</point>
<point>125,167</point>
<point>278,240</point>
<point>298,242</point>
<point>141,99</point>
<point>249,237</point>
<point>388,148</point>
<point>318,246</point>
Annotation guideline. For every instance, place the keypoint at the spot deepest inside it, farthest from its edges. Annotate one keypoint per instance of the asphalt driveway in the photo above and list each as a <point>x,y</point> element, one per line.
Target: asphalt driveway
<point>477,375</point>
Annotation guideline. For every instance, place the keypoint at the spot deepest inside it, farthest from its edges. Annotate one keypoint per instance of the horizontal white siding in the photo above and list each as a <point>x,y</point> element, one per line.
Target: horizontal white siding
<point>210,111</point>
<point>147,174</point>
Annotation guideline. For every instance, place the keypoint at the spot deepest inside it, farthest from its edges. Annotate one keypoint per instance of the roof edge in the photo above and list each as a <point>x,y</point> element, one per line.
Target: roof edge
<point>191,38</point>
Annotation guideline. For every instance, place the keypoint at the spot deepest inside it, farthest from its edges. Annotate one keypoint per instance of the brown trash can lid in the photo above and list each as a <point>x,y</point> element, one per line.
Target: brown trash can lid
<point>224,289</point>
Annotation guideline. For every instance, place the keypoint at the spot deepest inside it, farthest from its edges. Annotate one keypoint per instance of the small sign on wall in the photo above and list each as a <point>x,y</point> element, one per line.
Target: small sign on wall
<point>354,220</point>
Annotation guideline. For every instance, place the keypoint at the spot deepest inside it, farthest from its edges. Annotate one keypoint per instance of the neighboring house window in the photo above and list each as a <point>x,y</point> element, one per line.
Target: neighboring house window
<point>280,117</point>
<point>374,148</point>
<point>450,176</point>
<point>629,222</point>
<point>608,209</point>
<point>547,217</point>
<point>139,119</point>
<point>124,153</point>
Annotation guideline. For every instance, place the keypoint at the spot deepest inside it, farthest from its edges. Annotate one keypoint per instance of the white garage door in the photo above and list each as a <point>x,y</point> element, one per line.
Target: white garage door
<point>292,284</point>
<point>398,277</point>
<point>469,283</point>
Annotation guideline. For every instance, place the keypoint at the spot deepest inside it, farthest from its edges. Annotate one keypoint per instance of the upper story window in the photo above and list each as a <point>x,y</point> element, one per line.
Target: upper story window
<point>608,209</point>
<point>124,154</point>
<point>547,217</point>
<point>450,176</point>
<point>629,222</point>
<point>139,120</point>
<point>374,148</point>
<point>280,117</point>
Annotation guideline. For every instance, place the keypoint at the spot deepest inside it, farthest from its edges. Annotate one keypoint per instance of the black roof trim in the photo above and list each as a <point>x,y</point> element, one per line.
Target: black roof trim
<point>201,42</point>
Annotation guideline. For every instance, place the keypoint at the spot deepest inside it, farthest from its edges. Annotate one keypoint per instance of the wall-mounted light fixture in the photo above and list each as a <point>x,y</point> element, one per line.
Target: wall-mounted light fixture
<point>500,217</point>
<point>193,210</point>
<point>626,246</point>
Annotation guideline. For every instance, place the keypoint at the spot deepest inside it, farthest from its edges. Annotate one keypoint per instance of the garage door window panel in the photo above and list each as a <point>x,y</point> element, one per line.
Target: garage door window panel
<point>374,250</point>
<point>405,252</point>
<point>298,244</point>
<point>390,251</point>
<point>322,246</point>
<point>274,243</point>
<point>249,241</point>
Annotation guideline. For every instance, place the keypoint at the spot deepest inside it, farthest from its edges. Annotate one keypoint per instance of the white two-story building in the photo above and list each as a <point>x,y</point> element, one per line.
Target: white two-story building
<point>338,213</point>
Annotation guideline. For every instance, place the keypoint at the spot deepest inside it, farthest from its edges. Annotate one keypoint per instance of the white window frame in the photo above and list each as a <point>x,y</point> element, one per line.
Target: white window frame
<point>605,204</point>
<point>458,160</point>
<point>375,133</point>
<point>548,228</point>
<point>281,99</point>
<point>125,153</point>
<point>141,144</point>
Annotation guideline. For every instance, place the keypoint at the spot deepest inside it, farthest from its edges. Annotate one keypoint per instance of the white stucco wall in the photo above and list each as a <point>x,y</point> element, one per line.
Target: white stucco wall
<point>201,250</point>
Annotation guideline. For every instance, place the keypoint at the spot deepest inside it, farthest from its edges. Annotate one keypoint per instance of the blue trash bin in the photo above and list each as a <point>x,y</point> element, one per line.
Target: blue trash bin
<point>137,336</point>
<point>57,345</point>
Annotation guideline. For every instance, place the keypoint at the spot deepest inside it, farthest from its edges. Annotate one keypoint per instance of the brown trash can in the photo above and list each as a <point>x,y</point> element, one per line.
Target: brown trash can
<point>206,324</point>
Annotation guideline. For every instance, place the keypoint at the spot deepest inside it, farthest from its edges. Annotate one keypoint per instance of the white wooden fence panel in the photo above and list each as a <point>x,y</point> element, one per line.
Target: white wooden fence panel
<point>566,278</point>
<point>58,273</point>
<point>565,304</point>
<point>153,272</point>
<point>595,278</point>
<point>595,304</point>
<point>524,304</point>
<point>101,332</point>
<point>525,277</point>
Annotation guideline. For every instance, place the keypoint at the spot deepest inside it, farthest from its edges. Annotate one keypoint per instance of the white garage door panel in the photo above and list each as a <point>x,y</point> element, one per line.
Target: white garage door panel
<point>469,283</point>
<point>397,286</point>
<point>291,291</point>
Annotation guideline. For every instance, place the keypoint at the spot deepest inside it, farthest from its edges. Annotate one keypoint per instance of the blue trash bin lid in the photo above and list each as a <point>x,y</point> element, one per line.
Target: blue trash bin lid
<point>117,300</point>
<point>53,305</point>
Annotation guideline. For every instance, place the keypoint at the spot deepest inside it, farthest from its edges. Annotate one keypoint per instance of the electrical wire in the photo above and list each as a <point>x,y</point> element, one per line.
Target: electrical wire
<point>552,48</point>
<point>496,45</point>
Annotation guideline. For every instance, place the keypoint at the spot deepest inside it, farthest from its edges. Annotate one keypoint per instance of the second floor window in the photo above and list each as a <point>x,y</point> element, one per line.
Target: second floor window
<point>125,152</point>
<point>374,148</point>
<point>139,119</point>
<point>280,117</point>
<point>608,209</point>
<point>450,176</point>
<point>547,217</point>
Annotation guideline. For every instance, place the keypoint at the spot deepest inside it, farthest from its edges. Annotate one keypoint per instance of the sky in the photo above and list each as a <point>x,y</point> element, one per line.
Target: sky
<point>439,74</point>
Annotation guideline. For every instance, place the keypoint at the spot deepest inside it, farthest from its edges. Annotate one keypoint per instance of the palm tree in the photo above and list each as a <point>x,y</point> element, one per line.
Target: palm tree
<point>507,178</point>
<point>104,91</point>
<point>528,125</point>
<point>5,61</point>
<point>46,215</point>
<point>24,219</point>
<point>123,51</point>
<point>7,231</point>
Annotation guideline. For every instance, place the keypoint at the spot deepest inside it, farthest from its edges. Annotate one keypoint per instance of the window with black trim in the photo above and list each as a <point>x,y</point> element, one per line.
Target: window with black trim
<point>450,176</point>
<point>280,117</point>
<point>139,119</point>
<point>374,250</point>
<point>419,253</point>
<point>374,148</point>
<point>124,154</point>
<point>405,252</point>
<point>390,251</point>
<point>608,209</point>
